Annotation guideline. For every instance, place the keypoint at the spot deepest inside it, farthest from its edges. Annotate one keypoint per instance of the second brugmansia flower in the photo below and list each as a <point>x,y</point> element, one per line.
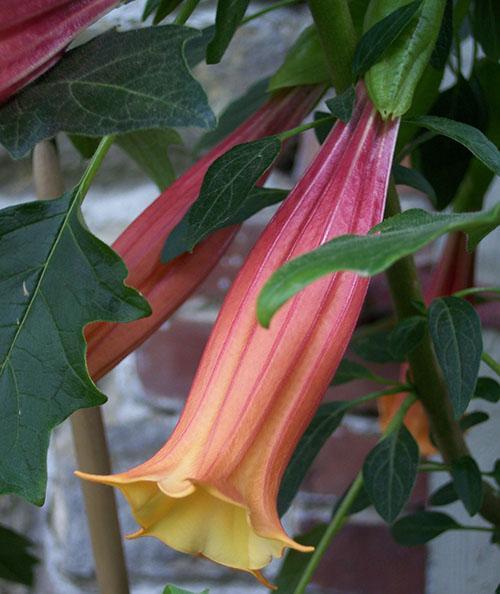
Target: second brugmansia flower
<point>212,488</point>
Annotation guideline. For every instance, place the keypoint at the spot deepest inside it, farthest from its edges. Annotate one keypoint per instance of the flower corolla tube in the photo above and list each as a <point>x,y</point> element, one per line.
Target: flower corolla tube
<point>211,489</point>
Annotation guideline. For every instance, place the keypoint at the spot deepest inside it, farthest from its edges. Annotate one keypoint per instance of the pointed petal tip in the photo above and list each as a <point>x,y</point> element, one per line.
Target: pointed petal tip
<point>136,534</point>
<point>258,575</point>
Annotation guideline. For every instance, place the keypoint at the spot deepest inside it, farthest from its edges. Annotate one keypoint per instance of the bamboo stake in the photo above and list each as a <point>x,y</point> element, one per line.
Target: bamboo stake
<point>88,430</point>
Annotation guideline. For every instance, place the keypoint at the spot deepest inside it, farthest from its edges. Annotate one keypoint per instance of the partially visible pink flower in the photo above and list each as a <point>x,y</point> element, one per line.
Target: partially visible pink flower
<point>167,286</point>
<point>35,33</point>
<point>454,272</point>
<point>212,488</point>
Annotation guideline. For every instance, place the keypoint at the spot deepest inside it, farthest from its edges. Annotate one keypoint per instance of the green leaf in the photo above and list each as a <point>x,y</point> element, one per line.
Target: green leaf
<point>379,38</point>
<point>375,347</point>
<point>175,590</point>
<point>390,471</point>
<point>149,149</point>
<point>441,50</point>
<point>496,472</point>
<point>472,419</point>
<point>236,113</point>
<point>342,105</point>
<point>468,483</point>
<point>486,26</point>
<point>322,130</point>
<point>468,136</point>
<point>56,278</point>
<point>227,19</point>
<point>295,562</point>
<point>304,64</point>
<point>487,389</point>
<point>348,371</point>
<point>225,195</point>
<point>118,82</point>
<point>413,179</point>
<point>421,527</point>
<point>444,495</point>
<point>85,145</point>
<point>367,255</point>
<point>161,8</point>
<point>407,335</point>
<point>16,563</point>
<point>455,330</point>
<point>196,47</point>
<point>324,423</point>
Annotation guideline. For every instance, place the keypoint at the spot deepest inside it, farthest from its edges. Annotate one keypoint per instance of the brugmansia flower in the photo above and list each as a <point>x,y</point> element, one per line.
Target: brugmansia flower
<point>454,272</point>
<point>211,489</point>
<point>34,34</point>
<point>167,286</point>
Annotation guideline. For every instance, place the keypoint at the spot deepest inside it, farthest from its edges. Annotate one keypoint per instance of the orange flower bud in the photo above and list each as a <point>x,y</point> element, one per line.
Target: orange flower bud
<point>212,488</point>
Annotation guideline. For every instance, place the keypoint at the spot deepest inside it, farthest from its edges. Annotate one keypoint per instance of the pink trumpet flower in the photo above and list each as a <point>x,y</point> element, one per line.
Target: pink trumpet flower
<point>454,272</point>
<point>167,286</point>
<point>211,489</point>
<point>35,33</point>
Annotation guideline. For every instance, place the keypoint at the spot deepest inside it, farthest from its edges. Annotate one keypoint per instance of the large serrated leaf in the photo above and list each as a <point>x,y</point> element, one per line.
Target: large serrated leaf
<point>56,277</point>
<point>118,82</point>
<point>16,563</point>
<point>367,255</point>
<point>390,471</point>
<point>455,330</point>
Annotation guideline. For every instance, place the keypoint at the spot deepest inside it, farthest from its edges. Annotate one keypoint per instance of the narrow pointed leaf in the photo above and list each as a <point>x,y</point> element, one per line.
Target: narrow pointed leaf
<point>381,36</point>
<point>390,471</point>
<point>227,19</point>
<point>414,179</point>
<point>456,334</point>
<point>176,590</point>
<point>367,255</point>
<point>421,527</point>
<point>118,82</point>
<point>16,562</point>
<point>227,195</point>
<point>324,423</point>
<point>441,50</point>
<point>472,419</point>
<point>468,483</point>
<point>160,8</point>
<point>342,105</point>
<point>56,277</point>
<point>444,495</point>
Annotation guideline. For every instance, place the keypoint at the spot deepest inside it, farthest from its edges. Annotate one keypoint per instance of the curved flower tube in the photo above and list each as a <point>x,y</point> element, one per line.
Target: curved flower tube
<point>167,286</point>
<point>212,488</point>
<point>35,33</point>
<point>454,272</point>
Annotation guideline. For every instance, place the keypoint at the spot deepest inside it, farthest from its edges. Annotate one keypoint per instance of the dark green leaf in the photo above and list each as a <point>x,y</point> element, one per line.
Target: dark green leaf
<point>414,179</point>
<point>295,562</point>
<point>175,590</point>
<point>444,495</point>
<point>367,255</point>
<point>350,370</point>
<point>304,64</point>
<point>228,18</point>
<point>456,334</point>
<point>487,389</point>
<point>56,278</point>
<point>468,483</point>
<point>85,145</point>
<point>226,194</point>
<point>322,130</point>
<point>16,563</point>
<point>236,113</point>
<point>390,471</point>
<point>149,149</point>
<point>472,419</point>
<point>407,335</point>
<point>486,24</point>
<point>161,8</point>
<point>470,137</point>
<point>496,472</point>
<point>196,47</point>
<point>324,423</point>
<point>118,82</point>
<point>442,48</point>
<point>375,347</point>
<point>342,105</point>
<point>379,38</point>
<point>421,527</point>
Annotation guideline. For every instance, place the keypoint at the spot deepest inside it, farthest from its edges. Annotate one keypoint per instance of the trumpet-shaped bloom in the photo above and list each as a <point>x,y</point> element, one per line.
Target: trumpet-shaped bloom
<point>212,488</point>
<point>455,271</point>
<point>167,286</point>
<point>34,34</point>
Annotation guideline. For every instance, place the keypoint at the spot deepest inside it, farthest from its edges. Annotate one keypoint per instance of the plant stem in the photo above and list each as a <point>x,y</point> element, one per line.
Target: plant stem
<point>374,395</point>
<point>406,294</point>
<point>475,290</point>
<point>338,38</point>
<point>294,131</point>
<point>270,8</point>
<point>185,11</point>
<point>87,424</point>
<point>94,166</point>
<point>491,363</point>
